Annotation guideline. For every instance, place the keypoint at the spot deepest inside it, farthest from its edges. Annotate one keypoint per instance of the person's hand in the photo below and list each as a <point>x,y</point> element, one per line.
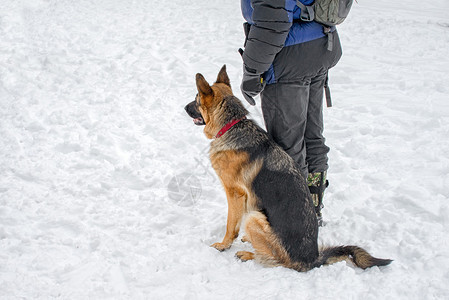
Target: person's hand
<point>252,85</point>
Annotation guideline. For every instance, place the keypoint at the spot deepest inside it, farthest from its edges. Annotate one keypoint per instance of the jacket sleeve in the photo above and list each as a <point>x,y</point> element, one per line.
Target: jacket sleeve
<point>272,20</point>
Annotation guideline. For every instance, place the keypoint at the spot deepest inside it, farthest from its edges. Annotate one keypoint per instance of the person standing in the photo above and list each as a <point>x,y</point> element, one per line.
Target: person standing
<point>286,59</point>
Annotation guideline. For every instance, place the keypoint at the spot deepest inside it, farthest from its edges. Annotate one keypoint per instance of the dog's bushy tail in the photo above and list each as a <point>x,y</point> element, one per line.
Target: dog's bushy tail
<point>360,257</point>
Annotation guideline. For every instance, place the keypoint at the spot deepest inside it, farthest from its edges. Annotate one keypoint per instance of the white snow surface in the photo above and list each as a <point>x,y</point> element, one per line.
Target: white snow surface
<point>106,189</point>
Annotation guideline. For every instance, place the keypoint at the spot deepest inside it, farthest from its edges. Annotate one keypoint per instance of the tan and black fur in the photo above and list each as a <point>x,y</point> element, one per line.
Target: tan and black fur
<point>262,183</point>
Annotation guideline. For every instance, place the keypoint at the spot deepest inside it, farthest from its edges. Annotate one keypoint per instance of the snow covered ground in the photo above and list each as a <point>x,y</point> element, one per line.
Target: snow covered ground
<point>106,190</point>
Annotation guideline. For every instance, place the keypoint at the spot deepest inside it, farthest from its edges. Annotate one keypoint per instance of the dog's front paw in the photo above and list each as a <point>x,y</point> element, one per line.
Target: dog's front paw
<point>221,246</point>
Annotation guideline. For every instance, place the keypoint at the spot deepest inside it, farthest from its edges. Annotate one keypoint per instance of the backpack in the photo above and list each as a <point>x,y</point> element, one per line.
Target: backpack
<point>326,12</point>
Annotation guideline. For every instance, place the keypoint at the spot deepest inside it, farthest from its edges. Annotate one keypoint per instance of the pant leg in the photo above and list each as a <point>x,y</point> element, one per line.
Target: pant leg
<point>316,149</point>
<point>300,63</point>
<point>284,107</point>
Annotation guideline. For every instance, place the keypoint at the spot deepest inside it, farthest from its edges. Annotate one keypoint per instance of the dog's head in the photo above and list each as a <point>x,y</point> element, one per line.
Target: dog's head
<point>207,108</point>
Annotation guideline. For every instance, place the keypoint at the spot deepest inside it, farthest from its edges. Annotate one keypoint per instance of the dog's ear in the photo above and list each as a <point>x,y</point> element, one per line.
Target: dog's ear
<point>202,85</point>
<point>223,77</point>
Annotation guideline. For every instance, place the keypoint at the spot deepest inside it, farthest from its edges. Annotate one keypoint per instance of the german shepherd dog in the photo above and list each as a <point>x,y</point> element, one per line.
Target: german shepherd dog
<point>262,182</point>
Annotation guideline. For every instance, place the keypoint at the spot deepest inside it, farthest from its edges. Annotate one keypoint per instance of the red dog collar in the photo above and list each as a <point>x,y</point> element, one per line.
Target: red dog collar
<point>228,126</point>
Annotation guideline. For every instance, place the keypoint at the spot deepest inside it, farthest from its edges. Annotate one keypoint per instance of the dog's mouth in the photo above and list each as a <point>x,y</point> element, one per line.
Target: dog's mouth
<point>199,121</point>
<point>193,111</point>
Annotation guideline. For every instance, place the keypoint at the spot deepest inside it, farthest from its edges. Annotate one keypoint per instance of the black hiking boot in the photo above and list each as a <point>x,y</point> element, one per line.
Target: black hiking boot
<point>317,184</point>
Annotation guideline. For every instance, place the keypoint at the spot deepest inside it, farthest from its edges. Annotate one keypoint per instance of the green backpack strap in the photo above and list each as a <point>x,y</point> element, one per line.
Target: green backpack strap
<point>307,11</point>
<point>327,91</point>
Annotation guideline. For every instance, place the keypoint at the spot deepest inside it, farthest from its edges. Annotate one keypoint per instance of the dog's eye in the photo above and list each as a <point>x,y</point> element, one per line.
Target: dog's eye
<point>197,98</point>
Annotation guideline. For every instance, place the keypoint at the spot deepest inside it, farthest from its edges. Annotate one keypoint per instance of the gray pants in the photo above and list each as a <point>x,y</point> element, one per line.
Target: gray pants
<point>293,107</point>
<point>293,114</point>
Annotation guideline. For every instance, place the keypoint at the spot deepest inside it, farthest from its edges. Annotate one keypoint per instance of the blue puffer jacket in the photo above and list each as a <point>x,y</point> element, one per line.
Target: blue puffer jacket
<point>272,29</point>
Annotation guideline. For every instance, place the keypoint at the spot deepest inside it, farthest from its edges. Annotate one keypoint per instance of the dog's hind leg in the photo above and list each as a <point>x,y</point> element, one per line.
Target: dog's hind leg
<point>244,255</point>
<point>245,239</point>
<point>268,249</point>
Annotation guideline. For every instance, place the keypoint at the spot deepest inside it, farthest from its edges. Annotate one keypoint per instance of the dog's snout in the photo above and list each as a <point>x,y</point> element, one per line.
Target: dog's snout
<point>192,110</point>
